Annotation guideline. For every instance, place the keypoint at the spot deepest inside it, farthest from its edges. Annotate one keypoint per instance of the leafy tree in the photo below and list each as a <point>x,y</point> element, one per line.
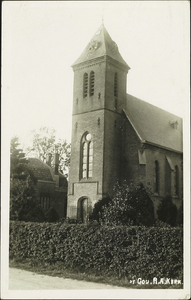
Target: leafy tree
<point>23,203</point>
<point>99,208</point>
<point>130,205</point>
<point>167,211</point>
<point>44,143</point>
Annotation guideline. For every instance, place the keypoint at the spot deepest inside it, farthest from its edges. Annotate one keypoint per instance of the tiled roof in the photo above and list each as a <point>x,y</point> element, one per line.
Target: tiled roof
<point>154,125</point>
<point>101,44</point>
<point>41,170</point>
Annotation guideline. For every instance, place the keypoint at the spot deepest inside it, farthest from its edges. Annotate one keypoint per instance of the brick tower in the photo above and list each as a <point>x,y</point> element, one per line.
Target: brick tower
<point>99,96</point>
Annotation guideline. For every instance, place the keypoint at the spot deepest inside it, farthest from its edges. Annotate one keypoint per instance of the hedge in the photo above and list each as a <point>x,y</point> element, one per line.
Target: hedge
<point>118,251</point>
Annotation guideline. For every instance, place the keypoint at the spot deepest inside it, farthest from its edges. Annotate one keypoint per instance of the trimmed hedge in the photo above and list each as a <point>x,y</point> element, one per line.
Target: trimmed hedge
<point>118,251</point>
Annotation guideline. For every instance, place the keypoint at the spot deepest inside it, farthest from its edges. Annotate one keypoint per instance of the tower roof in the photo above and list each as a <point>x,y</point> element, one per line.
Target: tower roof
<point>100,45</point>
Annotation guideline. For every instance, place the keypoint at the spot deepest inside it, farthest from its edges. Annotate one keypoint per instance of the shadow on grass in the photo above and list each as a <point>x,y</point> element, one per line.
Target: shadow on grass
<point>58,270</point>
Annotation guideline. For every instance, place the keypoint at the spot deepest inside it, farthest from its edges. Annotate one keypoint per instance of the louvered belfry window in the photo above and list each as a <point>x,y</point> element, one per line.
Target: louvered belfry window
<point>87,156</point>
<point>85,87</point>
<point>92,78</point>
<point>116,85</point>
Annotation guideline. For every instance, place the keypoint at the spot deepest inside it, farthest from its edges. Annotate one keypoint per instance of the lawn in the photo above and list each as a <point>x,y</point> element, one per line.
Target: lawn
<point>58,270</point>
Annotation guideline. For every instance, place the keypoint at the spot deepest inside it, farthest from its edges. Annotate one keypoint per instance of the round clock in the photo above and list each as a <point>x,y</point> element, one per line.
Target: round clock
<point>88,137</point>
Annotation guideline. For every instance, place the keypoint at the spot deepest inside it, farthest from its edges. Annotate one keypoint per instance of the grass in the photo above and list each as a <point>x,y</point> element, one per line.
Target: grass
<point>58,270</point>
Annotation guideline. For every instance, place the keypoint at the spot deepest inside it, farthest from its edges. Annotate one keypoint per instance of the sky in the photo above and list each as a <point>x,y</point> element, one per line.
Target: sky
<point>41,40</point>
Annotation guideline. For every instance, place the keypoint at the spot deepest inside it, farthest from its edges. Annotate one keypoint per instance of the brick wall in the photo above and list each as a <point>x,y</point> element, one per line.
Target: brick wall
<point>145,173</point>
<point>116,145</point>
<point>58,196</point>
<point>132,170</point>
<point>97,115</point>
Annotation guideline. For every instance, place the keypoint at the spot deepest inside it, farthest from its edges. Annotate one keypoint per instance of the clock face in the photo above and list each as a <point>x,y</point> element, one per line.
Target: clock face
<point>93,45</point>
<point>98,32</point>
<point>88,137</point>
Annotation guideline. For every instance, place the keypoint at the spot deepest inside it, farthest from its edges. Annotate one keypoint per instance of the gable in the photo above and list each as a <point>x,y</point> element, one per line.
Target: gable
<point>154,125</point>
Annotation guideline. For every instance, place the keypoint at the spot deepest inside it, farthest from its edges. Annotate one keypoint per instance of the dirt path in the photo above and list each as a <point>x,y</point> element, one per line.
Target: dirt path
<point>25,280</point>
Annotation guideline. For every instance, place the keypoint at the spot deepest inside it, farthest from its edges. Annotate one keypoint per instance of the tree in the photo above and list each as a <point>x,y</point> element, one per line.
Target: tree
<point>167,211</point>
<point>98,209</point>
<point>23,203</point>
<point>130,205</point>
<point>44,143</point>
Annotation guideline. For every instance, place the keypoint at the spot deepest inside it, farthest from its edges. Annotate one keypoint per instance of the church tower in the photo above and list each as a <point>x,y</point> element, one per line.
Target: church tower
<point>99,96</point>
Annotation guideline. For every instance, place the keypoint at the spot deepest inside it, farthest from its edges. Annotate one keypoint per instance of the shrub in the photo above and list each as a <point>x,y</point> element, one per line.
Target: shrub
<point>98,208</point>
<point>32,212</point>
<point>51,215</point>
<point>130,205</point>
<point>119,251</point>
<point>69,221</point>
<point>22,182</point>
<point>167,211</point>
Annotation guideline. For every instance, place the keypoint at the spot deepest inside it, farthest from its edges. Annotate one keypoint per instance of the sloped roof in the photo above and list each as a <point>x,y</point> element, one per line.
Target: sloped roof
<point>101,44</point>
<point>41,170</point>
<point>154,125</point>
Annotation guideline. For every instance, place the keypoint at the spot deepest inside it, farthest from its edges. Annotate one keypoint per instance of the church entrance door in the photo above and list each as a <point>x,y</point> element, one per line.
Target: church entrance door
<point>84,209</point>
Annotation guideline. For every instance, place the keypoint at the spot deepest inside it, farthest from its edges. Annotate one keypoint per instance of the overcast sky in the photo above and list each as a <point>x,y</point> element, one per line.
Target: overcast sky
<point>41,40</point>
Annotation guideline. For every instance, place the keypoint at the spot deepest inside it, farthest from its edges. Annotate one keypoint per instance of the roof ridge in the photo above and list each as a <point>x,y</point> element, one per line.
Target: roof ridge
<point>103,33</point>
<point>45,164</point>
<point>127,94</point>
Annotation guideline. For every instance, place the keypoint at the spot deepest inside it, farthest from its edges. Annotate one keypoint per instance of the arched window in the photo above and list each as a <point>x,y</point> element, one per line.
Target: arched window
<point>176,180</point>
<point>156,179</point>
<point>92,78</point>
<point>85,85</point>
<point>87,156</point>
<point>116,85</point>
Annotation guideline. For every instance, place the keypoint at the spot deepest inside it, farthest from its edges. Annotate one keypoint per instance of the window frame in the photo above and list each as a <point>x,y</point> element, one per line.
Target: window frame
<point>85,85</point>
<point>45,201</point>
<point>92,83</point>
<point>86,164</point>
<point>115,91</point>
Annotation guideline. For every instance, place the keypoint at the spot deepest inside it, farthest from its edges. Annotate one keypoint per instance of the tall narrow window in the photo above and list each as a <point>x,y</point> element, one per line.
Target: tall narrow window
<point>84,162</point>
<point>90,159</point>
<point>92,78</point>
<point>45,202</point>
<point>85,87</point>
<point>116,85</point>
<point>87,156</point>
<point>176,181</point>
<point>156,179</point>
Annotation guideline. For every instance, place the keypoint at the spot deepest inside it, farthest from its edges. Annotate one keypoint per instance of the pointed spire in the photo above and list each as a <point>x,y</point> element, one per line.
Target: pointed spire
<point>101,45</point>
<point>102,20</point>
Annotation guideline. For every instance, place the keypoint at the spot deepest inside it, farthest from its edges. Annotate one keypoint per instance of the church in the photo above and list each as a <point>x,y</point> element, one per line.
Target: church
<point>116,136</point>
